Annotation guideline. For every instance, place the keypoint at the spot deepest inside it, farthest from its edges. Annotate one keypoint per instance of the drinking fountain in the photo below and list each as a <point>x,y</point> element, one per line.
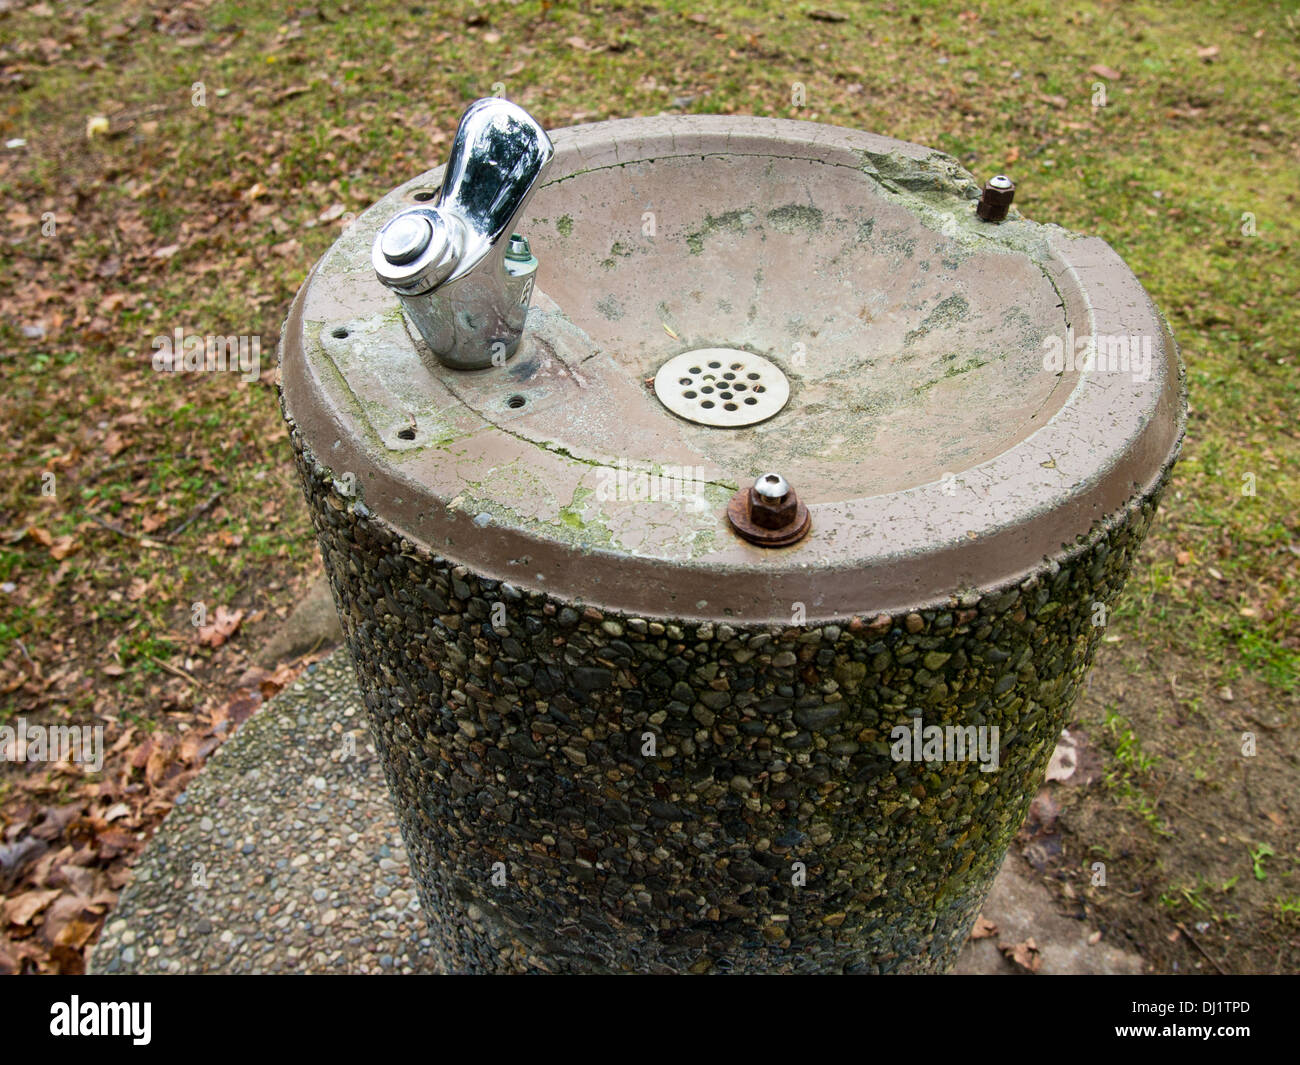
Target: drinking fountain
<point>722,513</point>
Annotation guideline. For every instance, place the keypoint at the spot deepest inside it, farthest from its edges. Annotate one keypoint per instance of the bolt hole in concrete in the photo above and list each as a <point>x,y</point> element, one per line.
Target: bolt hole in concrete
<point>424,195</point>
<point>516,402</point>
<point>406,434</point>
<point>689,387</point>
<point>340,333</point>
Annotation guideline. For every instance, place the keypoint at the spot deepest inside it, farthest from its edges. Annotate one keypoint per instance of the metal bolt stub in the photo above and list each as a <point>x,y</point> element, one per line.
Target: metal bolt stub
<point>996,201</point>
<point>769,513</point>
<point>517,250</point>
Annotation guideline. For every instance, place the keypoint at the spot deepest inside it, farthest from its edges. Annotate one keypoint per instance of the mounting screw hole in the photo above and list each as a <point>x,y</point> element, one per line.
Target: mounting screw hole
<point>406,434</point>
<point>515,402</point>
<point>341,333</point>
<point>424,195</point>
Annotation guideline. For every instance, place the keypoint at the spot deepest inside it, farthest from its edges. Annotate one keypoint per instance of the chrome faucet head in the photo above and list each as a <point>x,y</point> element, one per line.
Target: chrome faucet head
<point>447,260</point>
<point>418,250</point>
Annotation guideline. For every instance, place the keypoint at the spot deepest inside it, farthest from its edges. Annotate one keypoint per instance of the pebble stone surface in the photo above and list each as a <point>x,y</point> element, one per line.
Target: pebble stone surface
<point>543,837</point>
<point>290,829</point>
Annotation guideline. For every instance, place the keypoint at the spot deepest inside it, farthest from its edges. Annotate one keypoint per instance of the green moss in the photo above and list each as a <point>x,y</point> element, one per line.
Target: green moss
<point>795,218</point>
<point>736,221</point>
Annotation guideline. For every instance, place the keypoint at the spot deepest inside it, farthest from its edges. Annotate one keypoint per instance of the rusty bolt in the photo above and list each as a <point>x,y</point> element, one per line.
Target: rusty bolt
<point>769,513</point>
<point>996,201</point>
<point>771,503</point>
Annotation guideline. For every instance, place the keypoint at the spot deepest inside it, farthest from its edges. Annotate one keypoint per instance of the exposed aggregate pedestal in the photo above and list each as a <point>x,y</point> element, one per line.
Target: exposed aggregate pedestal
<point>306,871</point>
<point>542,839</point>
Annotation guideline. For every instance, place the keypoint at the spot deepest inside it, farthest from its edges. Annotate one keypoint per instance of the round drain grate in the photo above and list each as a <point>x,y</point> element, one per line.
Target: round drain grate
<point>723,387</point>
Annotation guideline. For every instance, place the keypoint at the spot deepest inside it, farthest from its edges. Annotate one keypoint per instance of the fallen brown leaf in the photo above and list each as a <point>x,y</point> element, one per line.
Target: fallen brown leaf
<point>22,908</point>
<point>1023,954</point>
<point>224,625</point>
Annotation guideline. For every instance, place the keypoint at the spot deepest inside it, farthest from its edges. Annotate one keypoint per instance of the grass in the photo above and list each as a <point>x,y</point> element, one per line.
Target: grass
<point>208,218</point>
<point>1202,900</point>
<point>1131,776</point>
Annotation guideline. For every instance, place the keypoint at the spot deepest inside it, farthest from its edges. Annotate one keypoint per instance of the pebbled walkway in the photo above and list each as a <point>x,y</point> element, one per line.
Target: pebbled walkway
<point>284,856</point>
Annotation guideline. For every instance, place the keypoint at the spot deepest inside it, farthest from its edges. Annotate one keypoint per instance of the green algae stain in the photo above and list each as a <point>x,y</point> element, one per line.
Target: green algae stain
<point>795,218</point>
<point>564,224</point>
<point>572,514</point>
<point>732,221</point>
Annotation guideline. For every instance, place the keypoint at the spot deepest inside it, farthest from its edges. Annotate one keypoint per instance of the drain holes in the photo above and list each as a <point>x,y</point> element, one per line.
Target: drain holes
<point>515,402</point>
<point>709,390</point>
<point>341,333</point>
<point>406,434</point>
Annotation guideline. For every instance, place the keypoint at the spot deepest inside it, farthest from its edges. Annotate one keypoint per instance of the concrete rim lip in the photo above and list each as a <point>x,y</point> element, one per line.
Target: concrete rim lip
<point>1105,447</point>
